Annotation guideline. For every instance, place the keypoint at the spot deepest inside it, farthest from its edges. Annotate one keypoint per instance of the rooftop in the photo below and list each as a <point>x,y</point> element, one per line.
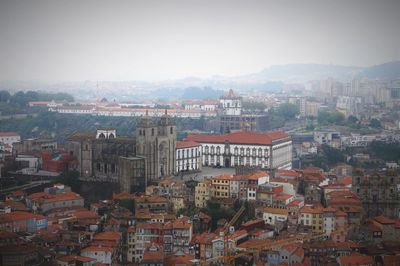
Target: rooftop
<point>241,137</point>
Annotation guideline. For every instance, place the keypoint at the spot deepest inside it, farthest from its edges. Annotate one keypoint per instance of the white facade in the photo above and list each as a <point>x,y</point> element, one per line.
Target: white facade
<point>8,138</point>
<point>224,153</point>
<point>231,104</point>
<point>271,217</point>
<point>100,254</point>
<point>188,158</point>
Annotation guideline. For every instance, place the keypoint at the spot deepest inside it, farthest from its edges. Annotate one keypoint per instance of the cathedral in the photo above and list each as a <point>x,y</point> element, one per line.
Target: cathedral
<point>130,161</point>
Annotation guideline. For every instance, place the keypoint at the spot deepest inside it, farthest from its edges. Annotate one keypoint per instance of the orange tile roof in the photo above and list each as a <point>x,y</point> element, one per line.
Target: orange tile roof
<point>284,172</point>
<point>186,144</point>
<point>275,210</point>
<point>313,210</point>
<point>238,234</point>
<point>241,137</point>
<point>282,196</point>
<point>8,134</point>
<point>108,236</point>
<point>222,177</point>
<point>384,220</point>
<point>36,195</point>
<point>339,213</point>
<point>97,249</point>
<point>151,199</point>
<point>122,196</point>
<point>257,175</point>
<point>296,202</point>
<point>69,258</point>
<point>84,214</point>
<point>254,242</point>
<point>356,259</point>
<point>16,216</point>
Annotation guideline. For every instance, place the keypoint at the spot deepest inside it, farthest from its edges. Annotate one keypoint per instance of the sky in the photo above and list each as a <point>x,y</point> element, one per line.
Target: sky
<point>156,40</point>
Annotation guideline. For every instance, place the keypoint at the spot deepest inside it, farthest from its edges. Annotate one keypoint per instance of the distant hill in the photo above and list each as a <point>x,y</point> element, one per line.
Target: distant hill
<point>306,72</point>
<point>390,71</point>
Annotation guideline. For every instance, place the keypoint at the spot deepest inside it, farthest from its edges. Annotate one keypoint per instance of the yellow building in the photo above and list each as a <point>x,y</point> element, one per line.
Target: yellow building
<point>221,185</point>
<point>177,203</point>
<point>203,193</point>
<point>131,244</point>
<point>313,217</point>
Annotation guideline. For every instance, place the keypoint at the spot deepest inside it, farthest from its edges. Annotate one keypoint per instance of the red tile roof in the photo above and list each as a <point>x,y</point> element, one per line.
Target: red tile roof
<point>16,216</point>
<point>108,236</point>
<point>282,197</point>
<point>384,220</point>
<point>186,144</point>
<point>241,137</point>
<point>356,259</point>
<point>296,202</point>
<point>97,249</point>
<point>8,134</point>
<point>283,172</point>
<point>257,175</point>
<point>69,258</point>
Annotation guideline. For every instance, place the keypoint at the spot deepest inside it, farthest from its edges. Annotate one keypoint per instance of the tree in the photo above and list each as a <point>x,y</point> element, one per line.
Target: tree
<point>325,118</point>
<point>4,96</point>
<point>288,110</point>
<point>352,120</point>
<point>254,106</point>
<point>375,123</point>
<point>127,204</point>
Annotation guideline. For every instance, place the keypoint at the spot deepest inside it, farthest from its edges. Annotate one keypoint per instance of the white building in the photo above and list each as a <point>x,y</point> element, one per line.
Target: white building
<point>188,156</point>
<point>272,215</point>
<point>231,104</point>
<point>100,253</point>
<point>266,150</point>
<point>8,138</point>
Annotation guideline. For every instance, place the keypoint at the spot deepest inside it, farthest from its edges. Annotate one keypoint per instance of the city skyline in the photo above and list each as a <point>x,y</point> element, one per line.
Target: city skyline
<point>147,40</point>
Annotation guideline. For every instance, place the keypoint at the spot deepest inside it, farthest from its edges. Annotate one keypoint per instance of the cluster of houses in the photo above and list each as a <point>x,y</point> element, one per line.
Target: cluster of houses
<point>299,217</point>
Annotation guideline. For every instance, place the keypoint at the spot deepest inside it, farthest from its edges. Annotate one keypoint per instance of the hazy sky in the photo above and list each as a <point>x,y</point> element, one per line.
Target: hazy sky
<point>153,40</point>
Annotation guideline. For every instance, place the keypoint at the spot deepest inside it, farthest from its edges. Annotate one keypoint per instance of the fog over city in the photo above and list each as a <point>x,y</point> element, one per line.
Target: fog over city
<point>53,41</point>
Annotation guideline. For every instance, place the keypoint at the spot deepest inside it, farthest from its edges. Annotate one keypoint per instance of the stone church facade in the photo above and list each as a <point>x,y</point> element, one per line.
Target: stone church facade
<point>379,193</point>
<point>130,161</point>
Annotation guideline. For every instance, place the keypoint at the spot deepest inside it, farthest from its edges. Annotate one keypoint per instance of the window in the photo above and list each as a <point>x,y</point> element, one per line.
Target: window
<point>171,130</point>
<point>152,131</point>
<point>236,151</point>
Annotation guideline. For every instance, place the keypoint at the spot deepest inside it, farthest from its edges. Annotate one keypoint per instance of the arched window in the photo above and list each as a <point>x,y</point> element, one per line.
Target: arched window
<point>259,152</point>
<point>102,136</point>
<point>254,152</point>
<point>206,149</point>
<point>218,150</point>
<point>111,136</point>
<point>236,150</point>
<point>212,149</point>
<point>248,151</point>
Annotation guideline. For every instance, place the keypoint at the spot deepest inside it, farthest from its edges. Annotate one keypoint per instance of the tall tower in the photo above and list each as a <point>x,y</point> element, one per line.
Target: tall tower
<point>146,145</point>
<point>166,142</point>
<point>156,142</point>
